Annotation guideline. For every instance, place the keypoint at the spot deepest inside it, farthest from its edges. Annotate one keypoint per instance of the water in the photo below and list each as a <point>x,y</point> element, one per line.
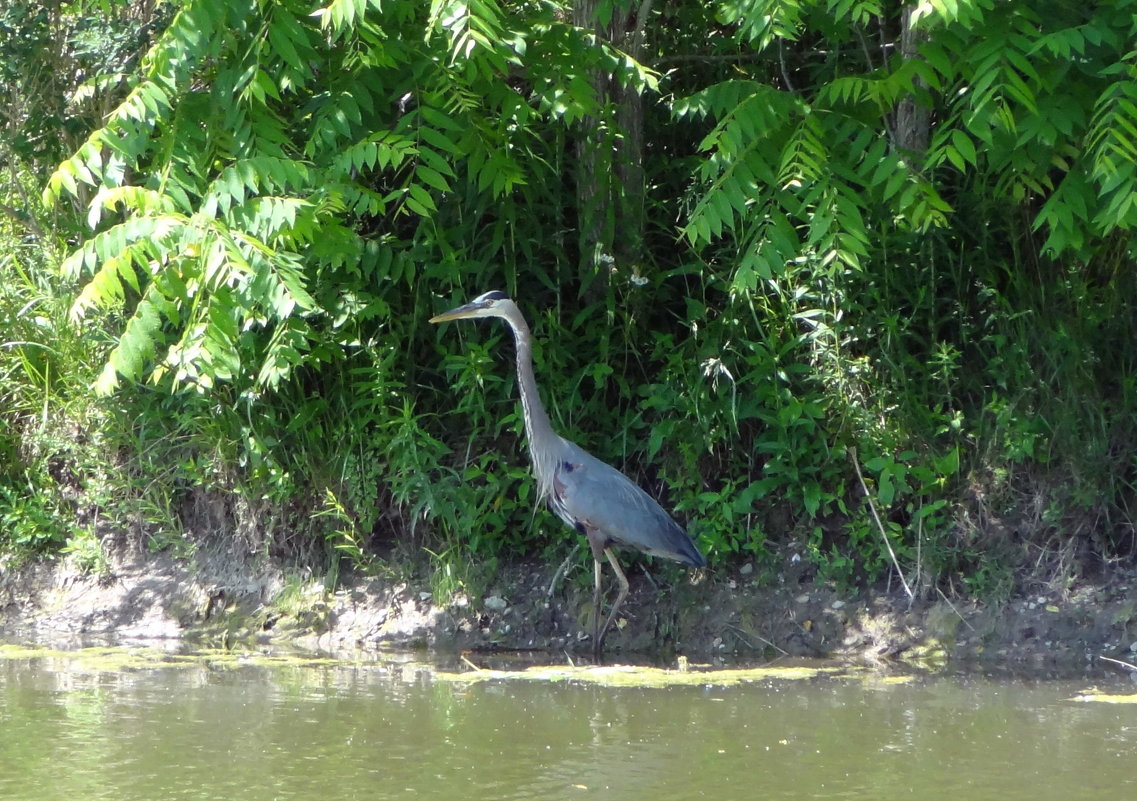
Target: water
<point>78,731</point>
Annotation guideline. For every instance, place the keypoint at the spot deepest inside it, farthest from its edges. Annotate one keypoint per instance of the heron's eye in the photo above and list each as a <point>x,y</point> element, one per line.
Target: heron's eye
<point>568,466</point>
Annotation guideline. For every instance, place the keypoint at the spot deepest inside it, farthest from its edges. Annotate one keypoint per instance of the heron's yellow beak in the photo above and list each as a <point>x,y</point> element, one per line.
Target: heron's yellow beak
<point>468,310</point>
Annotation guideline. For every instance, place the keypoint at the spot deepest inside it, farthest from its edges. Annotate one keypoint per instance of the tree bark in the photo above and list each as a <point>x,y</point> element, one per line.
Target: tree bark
<point>631,213</point>
<point>912,120</point>
<point>609,176</point>
<point>592,170</point>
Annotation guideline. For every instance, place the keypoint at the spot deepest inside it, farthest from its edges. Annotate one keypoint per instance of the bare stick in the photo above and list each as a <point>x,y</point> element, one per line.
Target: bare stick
<point>785,72</point>
<point>745,637</point>
<point>879,524</point>
<point>561,571</point>
<point>919,561</point>
<point>647,575</point>
<point>1126,665</point>
<point>949,603</point>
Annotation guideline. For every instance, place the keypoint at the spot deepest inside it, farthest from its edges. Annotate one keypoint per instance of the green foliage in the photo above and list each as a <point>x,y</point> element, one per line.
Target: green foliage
<point>86,550</point>
<point>345,538</point>
<point>34,361</point>
<point>275,217</point>
<point>59,67</point>
<point>29,525</point>
<point>49,459</point>
<point>888,267</point>
<point>827,213</point>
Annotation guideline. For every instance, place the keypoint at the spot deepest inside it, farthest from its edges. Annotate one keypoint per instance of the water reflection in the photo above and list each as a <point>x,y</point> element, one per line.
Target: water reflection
<point>368,731</point>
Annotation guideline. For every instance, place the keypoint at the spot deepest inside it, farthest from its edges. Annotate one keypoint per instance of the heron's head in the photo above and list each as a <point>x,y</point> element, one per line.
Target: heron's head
<point>491,304</point>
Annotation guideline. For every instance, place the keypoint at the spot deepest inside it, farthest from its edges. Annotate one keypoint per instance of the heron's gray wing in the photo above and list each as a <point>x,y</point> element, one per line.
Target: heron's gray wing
<point>602,498</point>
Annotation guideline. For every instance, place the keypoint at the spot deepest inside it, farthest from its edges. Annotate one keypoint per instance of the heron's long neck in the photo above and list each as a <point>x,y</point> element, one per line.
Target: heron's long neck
<point>537,426</point>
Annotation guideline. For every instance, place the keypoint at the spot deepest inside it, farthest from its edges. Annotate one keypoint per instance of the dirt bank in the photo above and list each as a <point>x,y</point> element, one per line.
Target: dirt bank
<point>226,598</point>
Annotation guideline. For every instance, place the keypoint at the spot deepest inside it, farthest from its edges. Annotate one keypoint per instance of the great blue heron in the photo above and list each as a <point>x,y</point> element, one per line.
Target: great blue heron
<point>597,500</point>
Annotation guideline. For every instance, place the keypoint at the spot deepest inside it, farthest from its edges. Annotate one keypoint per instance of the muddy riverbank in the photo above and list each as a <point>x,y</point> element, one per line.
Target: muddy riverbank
<point>227,598</point>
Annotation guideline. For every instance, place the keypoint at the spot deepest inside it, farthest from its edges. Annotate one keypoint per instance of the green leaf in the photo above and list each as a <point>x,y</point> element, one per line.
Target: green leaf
<point>432,178</point>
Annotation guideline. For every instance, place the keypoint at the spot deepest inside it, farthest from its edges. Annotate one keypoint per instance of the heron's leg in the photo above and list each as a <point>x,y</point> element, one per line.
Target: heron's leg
<point>596,609</point>
<point>620,577</point>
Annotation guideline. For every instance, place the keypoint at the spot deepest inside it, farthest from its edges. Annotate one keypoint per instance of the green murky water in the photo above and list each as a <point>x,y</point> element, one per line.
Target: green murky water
<point>97,726</point>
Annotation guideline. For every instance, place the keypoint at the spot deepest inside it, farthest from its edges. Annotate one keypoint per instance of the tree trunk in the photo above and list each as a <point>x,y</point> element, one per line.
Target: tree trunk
<point>592,169</point>
<point>609,176</point>
<point>631,215</point>
<point>912,120</point>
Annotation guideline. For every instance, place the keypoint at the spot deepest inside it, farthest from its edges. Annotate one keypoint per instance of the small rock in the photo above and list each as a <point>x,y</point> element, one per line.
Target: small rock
<point>1133,647</point>
<point>495,603</point>
<point>836,604</point>
<point>803,599</point>
<point>425,596</point>
<point>747,569</point>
